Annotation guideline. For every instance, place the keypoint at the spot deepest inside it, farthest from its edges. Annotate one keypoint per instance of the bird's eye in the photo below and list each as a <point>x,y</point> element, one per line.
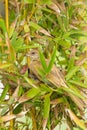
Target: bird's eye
<point>33,53</point>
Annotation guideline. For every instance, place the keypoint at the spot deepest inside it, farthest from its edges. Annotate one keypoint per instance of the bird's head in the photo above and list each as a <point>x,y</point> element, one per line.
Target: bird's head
<point>33,54</point>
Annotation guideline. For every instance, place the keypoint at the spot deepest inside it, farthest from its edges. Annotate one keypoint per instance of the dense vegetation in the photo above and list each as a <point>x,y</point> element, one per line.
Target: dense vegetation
<point>52,89</point>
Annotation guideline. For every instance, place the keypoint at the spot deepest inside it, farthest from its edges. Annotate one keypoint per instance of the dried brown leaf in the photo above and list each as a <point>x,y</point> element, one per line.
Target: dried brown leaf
<point>42,30</point>
<point>82,59</point>
<point>13,116</point>
<point>55,8</point>
<point>44,123</point>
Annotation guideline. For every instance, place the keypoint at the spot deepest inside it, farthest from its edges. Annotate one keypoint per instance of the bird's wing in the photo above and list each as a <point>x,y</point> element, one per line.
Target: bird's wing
<point>56,77</point>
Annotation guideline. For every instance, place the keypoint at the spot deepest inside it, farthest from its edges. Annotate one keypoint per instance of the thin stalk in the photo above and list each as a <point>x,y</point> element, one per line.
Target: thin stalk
<point>28,58</point>
<point>33,10</point>
<point>32,112</point>
<point>11,112</point>
<point>6,12</point>
<point>7,26</point>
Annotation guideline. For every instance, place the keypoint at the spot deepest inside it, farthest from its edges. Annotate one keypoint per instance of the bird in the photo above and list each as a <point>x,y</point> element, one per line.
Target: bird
<point>54,78</point>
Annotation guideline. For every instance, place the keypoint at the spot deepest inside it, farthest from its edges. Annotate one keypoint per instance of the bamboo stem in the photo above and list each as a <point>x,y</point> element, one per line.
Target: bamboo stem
<point>7,26</point>
<point>6,12</point>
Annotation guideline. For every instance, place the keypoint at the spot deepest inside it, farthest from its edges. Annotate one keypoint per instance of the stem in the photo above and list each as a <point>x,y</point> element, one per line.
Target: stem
<point>11,121</point>
<point>6,12</point>
<point>28,58</point>
<point>32,111</point>
<point>7,26</point>
<point>11,112</point>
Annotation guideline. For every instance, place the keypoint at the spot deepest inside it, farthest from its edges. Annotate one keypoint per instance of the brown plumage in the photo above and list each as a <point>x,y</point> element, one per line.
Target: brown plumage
<point>55,77</point>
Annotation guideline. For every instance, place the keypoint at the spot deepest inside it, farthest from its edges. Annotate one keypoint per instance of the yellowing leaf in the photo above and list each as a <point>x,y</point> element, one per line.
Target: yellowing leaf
<point>39,28</point>
<point>26,28</point>
<point>29,94</point>
<point>76,119</point>
<point>5,65</point>
<point>30,82</point>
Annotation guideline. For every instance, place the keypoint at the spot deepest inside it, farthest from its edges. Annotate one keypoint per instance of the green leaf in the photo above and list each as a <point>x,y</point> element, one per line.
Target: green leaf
<point>30,82</point>
<point>20,92</point>
<point>69,90</point>
<point>39,28</point>
<point>30,1</point>
<point>46,1</point>
<point>14,37</point>
<point>71,63</point>
<point>33,92</point>
<point>12,53</point>
<point>45,88</point>
<point>79,83</point>
<point>43,62</point>
<point>2,25</point>
<point>61,23</point>
<point>71,72</point>
<point>5,65</point>
<point>17,43</point>
<point>52,60</point>
<point>64,43</point>
<point>77,35</point>
<point>18,109</point>
<point>24,47</point>
<point>4,110</point>
<point>34,25</point>
<point>49,11</point>
<point>11,100</point>
<point>46,106</point>
<point>5,90</point>
<point>26,28</point>
<point>74,34</point>
<point>29,94</point>
<point>75,90</point>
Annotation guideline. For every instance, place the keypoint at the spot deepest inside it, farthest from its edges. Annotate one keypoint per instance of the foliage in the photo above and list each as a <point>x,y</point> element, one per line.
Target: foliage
<point>57,29</point>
